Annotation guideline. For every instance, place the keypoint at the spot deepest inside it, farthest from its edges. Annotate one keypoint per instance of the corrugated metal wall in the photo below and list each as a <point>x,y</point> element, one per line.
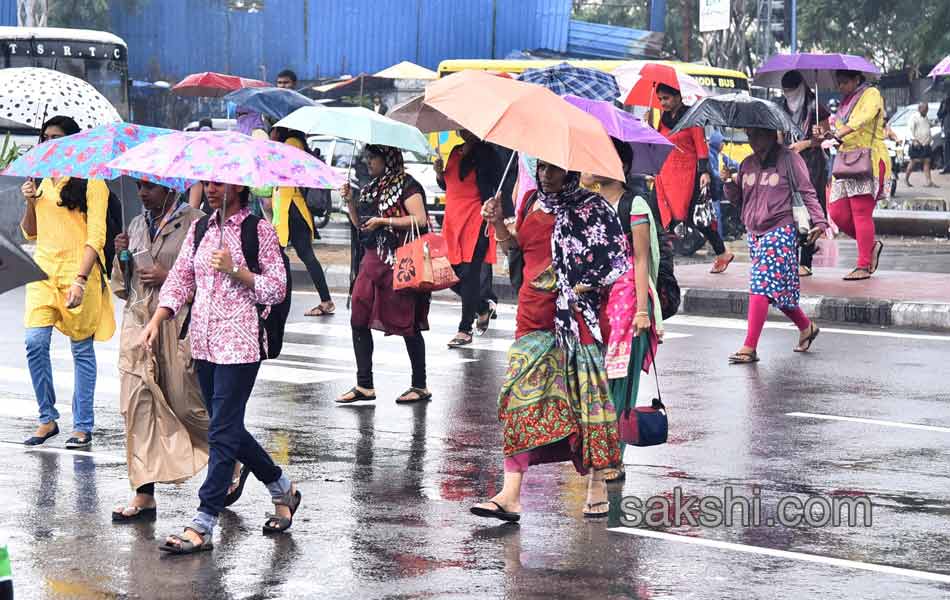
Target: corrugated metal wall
<point>322,38</point>
<point>8,13</point>
<point>594,40</point>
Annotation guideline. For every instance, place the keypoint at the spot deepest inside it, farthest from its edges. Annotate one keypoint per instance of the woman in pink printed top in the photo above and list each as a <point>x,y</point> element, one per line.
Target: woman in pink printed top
<point>762,189</point>
<point>226,348</point>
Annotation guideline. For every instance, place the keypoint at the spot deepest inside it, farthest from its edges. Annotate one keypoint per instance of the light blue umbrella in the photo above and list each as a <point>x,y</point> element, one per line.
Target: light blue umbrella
<point>359,124</point>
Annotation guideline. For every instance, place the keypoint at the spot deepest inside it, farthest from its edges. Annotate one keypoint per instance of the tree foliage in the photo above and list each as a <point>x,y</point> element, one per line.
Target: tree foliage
<point>88,14</point>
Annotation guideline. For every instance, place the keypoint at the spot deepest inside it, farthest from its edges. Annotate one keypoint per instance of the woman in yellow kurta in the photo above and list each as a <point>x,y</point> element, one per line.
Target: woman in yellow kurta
<point>859,124</point>
<point>67,218</point>
<point>294,225</point>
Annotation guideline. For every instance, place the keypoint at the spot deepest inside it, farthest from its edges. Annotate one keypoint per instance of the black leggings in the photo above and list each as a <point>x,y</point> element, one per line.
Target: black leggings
<point>363,348</point>
<point>301,238</point>
<point>474,288</point>
<point>148,488</point>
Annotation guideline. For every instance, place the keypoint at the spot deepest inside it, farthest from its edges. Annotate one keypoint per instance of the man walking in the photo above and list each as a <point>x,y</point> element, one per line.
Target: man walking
<point>943,115</point>
<point>287,79</point>
<point>920,144</point>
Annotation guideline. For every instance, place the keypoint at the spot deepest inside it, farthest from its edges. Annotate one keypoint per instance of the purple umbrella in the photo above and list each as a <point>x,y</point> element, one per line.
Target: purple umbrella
<point>817,69</point>
<point>941,70</point>
<point>650,148</point>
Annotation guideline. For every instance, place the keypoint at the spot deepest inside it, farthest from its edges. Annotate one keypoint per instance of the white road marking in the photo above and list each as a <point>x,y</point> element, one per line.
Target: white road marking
<point>784,554</point>
<point>740,324</point>
<point>54,450</point>
<point>870,421</point>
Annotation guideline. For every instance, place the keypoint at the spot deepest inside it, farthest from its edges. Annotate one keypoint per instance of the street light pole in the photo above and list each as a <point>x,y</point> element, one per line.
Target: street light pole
<point>793,20</point>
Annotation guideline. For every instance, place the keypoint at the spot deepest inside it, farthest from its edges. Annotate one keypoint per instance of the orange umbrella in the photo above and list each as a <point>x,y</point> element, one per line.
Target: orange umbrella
<point>527,118</point>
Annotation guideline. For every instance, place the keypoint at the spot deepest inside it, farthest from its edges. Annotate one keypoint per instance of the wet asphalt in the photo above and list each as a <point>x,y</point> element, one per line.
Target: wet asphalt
<point>386,488</point>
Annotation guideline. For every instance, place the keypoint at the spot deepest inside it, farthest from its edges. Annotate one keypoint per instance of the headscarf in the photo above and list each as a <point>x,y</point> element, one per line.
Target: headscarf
<point>795,99</point>
<point>849,101</point>
<point>584,250</point>
<point>384,193</point>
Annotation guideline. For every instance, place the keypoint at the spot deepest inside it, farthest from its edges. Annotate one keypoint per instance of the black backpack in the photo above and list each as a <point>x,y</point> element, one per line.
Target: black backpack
<point>666,285</point>
<point>114,227</point>
<point>275,321</point>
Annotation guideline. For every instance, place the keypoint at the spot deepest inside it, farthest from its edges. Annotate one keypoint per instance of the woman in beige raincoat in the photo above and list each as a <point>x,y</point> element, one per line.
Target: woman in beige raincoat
<point>166,424</point>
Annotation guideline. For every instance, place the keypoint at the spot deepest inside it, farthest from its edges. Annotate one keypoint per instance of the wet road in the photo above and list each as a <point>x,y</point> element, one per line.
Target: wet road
<point>386,488</point>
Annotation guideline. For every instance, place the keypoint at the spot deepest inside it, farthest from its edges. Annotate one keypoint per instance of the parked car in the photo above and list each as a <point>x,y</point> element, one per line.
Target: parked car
<point>342,156</point>
<point>216,125</point>
<point>900,124</point>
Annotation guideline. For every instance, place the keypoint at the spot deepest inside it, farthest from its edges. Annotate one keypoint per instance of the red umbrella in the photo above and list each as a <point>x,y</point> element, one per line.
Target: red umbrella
<point>213,85</point>
<point>639,82</point>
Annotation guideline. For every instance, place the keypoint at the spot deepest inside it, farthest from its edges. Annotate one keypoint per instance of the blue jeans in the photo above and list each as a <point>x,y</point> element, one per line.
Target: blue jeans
<point>226,389</point>
<point>41,373</point>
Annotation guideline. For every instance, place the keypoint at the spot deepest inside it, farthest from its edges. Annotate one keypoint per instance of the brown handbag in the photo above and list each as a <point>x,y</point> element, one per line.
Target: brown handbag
<point>855,164</point>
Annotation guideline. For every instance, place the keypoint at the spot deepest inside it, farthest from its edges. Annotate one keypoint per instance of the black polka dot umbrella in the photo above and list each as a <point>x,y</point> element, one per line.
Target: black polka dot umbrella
<point>30,95</point>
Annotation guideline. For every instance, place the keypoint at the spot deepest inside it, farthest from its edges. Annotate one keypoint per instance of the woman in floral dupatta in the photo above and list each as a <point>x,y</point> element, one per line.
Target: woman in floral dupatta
<point>555,402</point>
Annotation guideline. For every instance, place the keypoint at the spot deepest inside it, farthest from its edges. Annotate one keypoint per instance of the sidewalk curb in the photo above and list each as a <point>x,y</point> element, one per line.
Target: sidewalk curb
<point>934,316</point>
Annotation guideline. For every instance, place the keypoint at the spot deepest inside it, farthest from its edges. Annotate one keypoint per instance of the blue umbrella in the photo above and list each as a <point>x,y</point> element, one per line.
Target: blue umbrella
<point>270,101</point>
<point>564,79</point>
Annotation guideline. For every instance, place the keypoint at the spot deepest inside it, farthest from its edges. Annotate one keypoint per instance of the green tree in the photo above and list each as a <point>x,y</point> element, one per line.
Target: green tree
<point>87,14</point>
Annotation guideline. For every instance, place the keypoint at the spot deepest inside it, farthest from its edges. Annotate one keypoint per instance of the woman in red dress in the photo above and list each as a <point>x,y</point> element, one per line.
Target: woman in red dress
<point>677,184</point>
<point>470,178</point>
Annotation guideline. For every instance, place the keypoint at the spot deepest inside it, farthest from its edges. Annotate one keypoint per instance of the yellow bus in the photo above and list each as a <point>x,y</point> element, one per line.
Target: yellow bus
<point>714,80</point>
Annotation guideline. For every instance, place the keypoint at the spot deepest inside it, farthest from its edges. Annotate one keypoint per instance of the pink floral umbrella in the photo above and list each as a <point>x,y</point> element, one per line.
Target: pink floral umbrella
<point>227,157</point>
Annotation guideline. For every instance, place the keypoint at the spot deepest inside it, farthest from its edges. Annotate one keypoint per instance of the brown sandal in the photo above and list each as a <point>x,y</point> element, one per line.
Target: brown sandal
<point>805,344</point>
<point>744,358</point>
<point>721,265</point>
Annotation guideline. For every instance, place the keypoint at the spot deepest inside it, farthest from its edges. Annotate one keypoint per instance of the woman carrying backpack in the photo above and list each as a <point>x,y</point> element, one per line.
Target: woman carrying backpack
<point>632,310</point>
<point>67,219</point>
<point>226,346</point>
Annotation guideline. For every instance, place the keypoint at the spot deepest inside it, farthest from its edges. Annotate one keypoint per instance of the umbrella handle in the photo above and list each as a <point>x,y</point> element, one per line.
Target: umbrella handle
<point>501,184</point>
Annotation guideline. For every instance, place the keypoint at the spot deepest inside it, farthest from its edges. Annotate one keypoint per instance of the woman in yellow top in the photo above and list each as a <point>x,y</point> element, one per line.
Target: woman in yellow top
<point>67,218</point>
<point>294,225</point>
<point>860,124</point>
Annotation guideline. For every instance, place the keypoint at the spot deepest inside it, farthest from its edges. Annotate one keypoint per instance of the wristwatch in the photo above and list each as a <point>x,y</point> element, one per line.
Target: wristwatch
<point>234,270</point>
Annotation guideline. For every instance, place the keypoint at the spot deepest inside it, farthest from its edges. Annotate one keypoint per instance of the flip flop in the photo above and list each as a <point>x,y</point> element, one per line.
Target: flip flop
<point>458,342</point>
<point>612,475</point>
<point>319,311</point>
<point>186,546</point>
<point>357,396</point>
<point>423,396</point>
<point>500,514</point>
<point>804,271</point>
<point>853,275</point>
<point>234,496</point>
<point>805,344</point>
<point>744,358</point>
<point>876,255</point>
<point>591,514</point>
<point>721,265</point>
<point>484,319</point>
<point>140,514</point>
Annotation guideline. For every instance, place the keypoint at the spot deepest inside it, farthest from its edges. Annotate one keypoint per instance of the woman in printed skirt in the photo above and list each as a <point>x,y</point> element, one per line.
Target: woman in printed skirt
<point>397,202</point>
<point>226,344</point>
<point>555,404</point>
<point>859,125</point>
<point>632,312</point>
<point>763,190</point>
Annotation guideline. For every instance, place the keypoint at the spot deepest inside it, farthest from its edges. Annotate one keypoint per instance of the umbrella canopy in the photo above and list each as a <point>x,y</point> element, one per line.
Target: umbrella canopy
<point>213,85</point>
<point>86,153</point>
<point>16,266</point>
<point>817,69</point>
<point>271,101</point>
<point>941,70</point>
<point>565,79</point>
<point>227,157</point>
<point>357,123</point>
<point>638,82</point>
<point>423,117</point>
<point>527,118</point>
<point>407,70</point>
<point>736,110</point>
<point>650,148</point>
<point>30,96</point>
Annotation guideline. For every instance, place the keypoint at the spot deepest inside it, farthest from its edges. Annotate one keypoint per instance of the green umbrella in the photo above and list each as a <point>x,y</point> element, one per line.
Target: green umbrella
<point>356,123</point>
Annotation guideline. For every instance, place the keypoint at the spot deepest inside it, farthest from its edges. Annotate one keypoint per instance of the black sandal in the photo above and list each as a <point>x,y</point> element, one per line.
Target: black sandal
<point>590,514</point>
<point>484,320</point>
<point>458,341</point>
<point>282,524</point>
<point>37,440</point>
<point>186,546</point>
<point>140,514</point>
<point>805,344</point>
<point>876,256</point>
<point>234,496</point>
<point>858,275</point>
<point>421,396</point>
<point>79,443</point>
<point>500,513</point>
<point>744,358</point>
<point>358,395</point>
